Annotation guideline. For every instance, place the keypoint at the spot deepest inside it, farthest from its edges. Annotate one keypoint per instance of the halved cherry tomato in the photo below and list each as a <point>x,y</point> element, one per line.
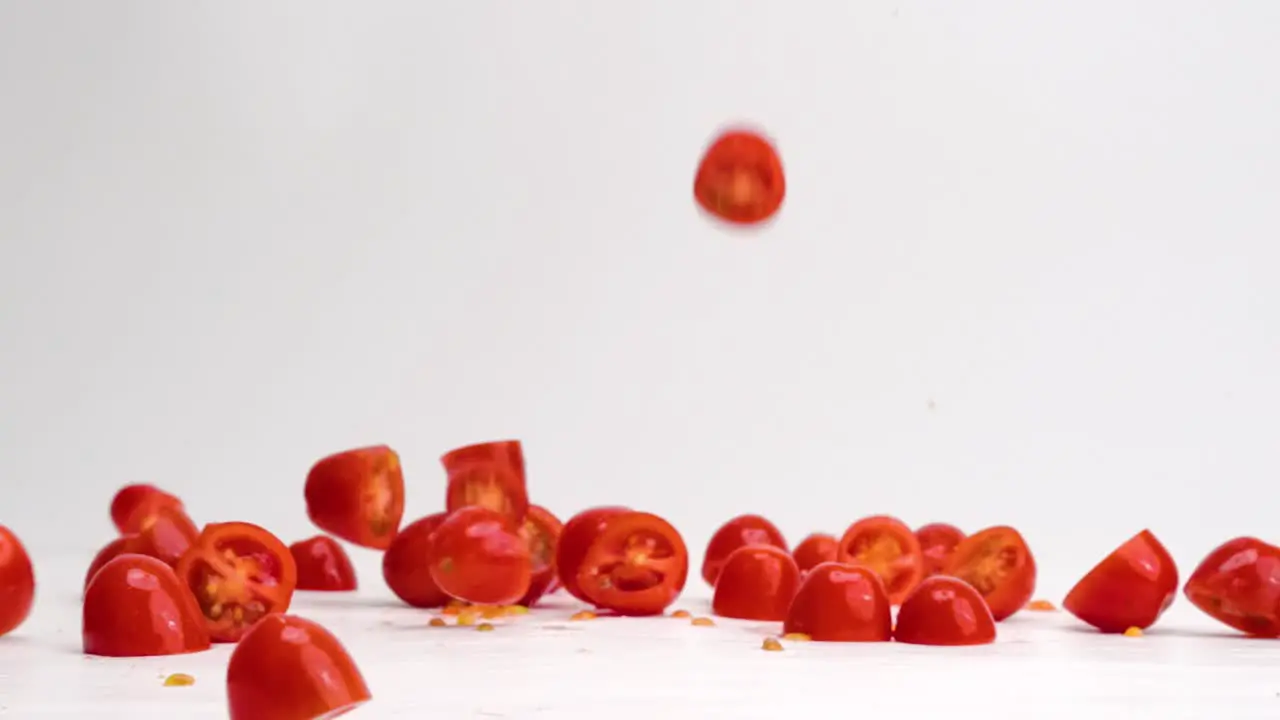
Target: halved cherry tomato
<point>476,555</point>
<point>490,475</point>
<point>405,566</point>
<point>815,550</point>
<point>757,582</point>
<point>1238,584</point>
<point>136,606</point>
<point>886,545</point>
<point>999,565</point>
<point>323,565</point>
<point>541,531</point>
<point>124,545</point>
<point>740,179</point>
<point>945,611</point>
<point>238,572</point>
<point>358,495</point>
<point>290,668</point>
<point>1131,587</point>
<point>738,532</point>
<point>166,535</point>
<point>17,581</point>
<point>837,602</point>
<point>636,565</point>
<point>140,507</point>
<point>575,540</point>
<point>937,542</point>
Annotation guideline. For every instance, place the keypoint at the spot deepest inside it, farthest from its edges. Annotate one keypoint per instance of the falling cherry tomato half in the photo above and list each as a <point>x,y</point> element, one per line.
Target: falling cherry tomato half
<point>1236,584</point>
<point>405,568</point>
<point>886,545</point>
<point>1131,587</point>
<point>999,565</point>
<point>358,495</point>
<point>322,565</point>
<point>740,179</point>
<point>490,475</point>
<point>141,507</point>
<point>757,582</point>
<point>239,573</point>
<point>476,555</point>
<point>136,606</point>
<point>944,611</point>
<point>636,565</point>
<point>17,582</point>
<point>837,602</point>
<point>937,542</point>
<point>166,535</point>
<point>541,531</point>
<point>575,540</point>
<point>290,668</point>
<point>815,550</point>
<point>738,532</point>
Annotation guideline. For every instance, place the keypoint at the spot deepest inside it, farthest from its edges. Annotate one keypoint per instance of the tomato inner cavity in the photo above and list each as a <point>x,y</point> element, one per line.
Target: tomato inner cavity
<point>985,572</point>
<point>230,583</point>
<point>881,553</point>
<point>486,492</point>
<point>642,564</point>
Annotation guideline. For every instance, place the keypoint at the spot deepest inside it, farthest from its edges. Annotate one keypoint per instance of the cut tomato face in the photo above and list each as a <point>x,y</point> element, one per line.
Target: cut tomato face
<point>1131,587</point>
<point>541,532</point>
<point>17,581</point>
<point>575,540</point>
<point>740,179</point>
<point>739,532</point>
<point>358,495</point>
<point>937,542</point>
<point>1238,584</point>
<point>135,606</point>
<point>841,603</point>
<point>945,611</point>
<point>477,556</point>
<point>757,582</point>
<point>238,572</point>
<point>889,548</point>
<point>405,567</point>
<point>815,550</point>
<point>999,565</point>
<point>636,565</point>
<point>489,475</point>
<point>323,565</point>
<point>507,453</point>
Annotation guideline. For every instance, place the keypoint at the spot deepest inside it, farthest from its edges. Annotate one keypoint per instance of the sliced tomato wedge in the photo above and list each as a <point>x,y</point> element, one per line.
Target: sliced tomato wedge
<point>541,532</point>
<point>887,546</point>
<point>998,564</point>
<point>238,572</point>
<point>490,475</point>
<point>636,565</point>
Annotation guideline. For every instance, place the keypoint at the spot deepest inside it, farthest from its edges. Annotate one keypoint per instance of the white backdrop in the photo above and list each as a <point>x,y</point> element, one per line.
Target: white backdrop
<point>1026,271</point>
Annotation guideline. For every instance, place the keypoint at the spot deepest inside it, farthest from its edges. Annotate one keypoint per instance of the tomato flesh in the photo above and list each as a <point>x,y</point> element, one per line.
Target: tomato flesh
<point>945,611</point>
<point>887,546</point>
<point>738,532</point>
<point>740,178</point>
<point>357,495</point>
<point>998,564</point>
<point>757,582</point>
<point>239,573</point>
<point>17,582</point>
<point>490,475</point>
<point>837,602</point>
<point>1238,584</point>
<point>636,565</point>
<point>575,540</point>
<point>136,606</point>
<point>541,531</point>
<point>1131,587</point>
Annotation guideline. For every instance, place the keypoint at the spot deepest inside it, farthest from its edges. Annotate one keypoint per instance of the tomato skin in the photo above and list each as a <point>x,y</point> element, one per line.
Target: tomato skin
<point>945,611</point>
<point>575,540</point>
<point>637,565</point>
<point>476,555</point>
<point>290,668</point>
<point>541,531</point>
<point>815,550</point>
<point>1236,584</point>
<point>490,475</point>
<point>886,545</point>
<point>937,542</point>
<point>136,606</point>
<point>238,573</point>
<point>757,582</point>
<point>323,565</point>
<point>838,602</point>
<point>1131,587</point>
<point>998,563</point>
<point>17,582</point>
<point>405,565</point>
<point>144,508</point>
<point>124,545</point>
<point>738,532</point>
<point>740,178</point>
<point>358,495</point>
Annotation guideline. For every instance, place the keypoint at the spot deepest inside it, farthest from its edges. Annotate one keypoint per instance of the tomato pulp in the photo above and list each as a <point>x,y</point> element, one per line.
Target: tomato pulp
<point>476,555</point>
<point>937,542</point>
<point>406,569</point>
<point>739,532</point>
<point>540,531</point>
<point>945,611</point>
<point>740,178</point>
<point>999,565</point>
<point>322,565</point>
<point>636,565</point>
<point>1131,587</point>
<point>837,602</point>
<point>490,475</point>
<point>136,606</point>
<point>17,582</point>
<point>887,546</point>
<point>358,495</point>
<point>1238,584</point>
<point>238,573</point>
<point>757,582</point>
<point>575,540</point>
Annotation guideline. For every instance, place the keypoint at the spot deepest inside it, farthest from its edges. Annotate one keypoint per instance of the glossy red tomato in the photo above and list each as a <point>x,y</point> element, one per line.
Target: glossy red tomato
<point>476,555</point>
<point>358,495</point>
<point>815,550</point>
<point>1131,587</point>
<point>140,507</point>
<point>166,535</point>
<point>490,475</point>
<point>238,573</point>
<point>636,565</point>
<point>886,545</point>
<point>124,545</point>
<point>937,542</point>
<point>757,582</point>
<point>999,565</point>
<point>841,603</point>
<point>322,565</point>
<point>405,566</point>
<point>740,179</point>
<point>17,581</point>
<point>290,668</point>
<point>575,540</point>
<point>541,531</point>
<point>136,606</point>
<point>1238,584</point>
<point>945,611</point>
<point>739,532</point>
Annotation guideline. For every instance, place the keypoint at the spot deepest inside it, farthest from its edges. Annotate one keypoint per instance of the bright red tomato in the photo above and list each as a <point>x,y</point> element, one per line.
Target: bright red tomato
<point>490,475</point>
<point>405,566</point>
<point>124,545</point>
<point>740,179</point>
<point>841,603</point>
<point>937,542</point>
<point>323,565</point>
<point>999,565</point>
<point>358,495</point>
<point>17,581</point>
<point>136,606</point>
<point>143,506</point>
<point>541,531</point>
<point>757,582</point>
<point>238,572</point>
<point>476,555</point>
<point>887,546</point>
<point>166,535</point>
<point>739,532</point>
<point>290,668</point>
<point>1238,584</point>
<point>945,611</point>
<point>575,540</point>
<point>1131,587</point>
<point>815,550</point>
<point>636,565</point>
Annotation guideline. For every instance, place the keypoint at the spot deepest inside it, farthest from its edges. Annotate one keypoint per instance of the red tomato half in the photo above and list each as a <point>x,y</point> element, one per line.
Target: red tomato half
<point>886,545</point>
<point>323,565</point>
<point>238,573</point>
<point>740,179</point>
<point>636,565</point>
<point>1131,587</point>
<point>166,535</point>
<point>999,565</point>
<point>476,555</point>
<point>944,611</point>
<point>841,603</point>
<point>128,499</point>
<point>541,531</point>
<point>1238,584</point>
<point>937,542</point>
<point>757,582</point>
<point>358,495</point>
<point>815,550</point>
<point>739,532</point>
<point>136,606</point>
<point>575,540</point>
<point>17,582</point>
<point>406,568</point>
<point>490,475</point>
<point>146,508</point>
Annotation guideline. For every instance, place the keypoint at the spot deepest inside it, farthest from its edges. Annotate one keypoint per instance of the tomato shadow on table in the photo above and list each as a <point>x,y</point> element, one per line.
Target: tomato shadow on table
<point>347,601</point>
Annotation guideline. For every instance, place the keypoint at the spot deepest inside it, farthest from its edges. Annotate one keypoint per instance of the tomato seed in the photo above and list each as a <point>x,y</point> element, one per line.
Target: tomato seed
<point>437,622</point>
<point>797,637</point>
<point>583,615</point>
<point>702,622</point>
<point>1041,606</point>
<point>485,627</point>
<point>771,644</point>
<point>1133,632</point>
<point>680,614</point>
<point>179,680</point>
